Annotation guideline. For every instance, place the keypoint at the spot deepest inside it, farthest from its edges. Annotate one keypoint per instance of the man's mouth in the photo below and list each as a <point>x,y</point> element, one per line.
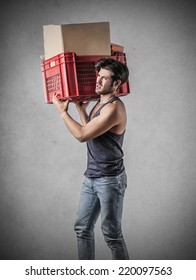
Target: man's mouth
<point>98,86</point>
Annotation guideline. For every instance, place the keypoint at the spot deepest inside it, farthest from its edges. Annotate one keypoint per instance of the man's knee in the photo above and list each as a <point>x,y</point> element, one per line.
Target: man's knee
<point>83,231</point>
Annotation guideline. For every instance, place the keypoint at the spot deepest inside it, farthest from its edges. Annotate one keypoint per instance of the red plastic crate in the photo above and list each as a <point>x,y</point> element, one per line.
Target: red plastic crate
<point>74,77</point>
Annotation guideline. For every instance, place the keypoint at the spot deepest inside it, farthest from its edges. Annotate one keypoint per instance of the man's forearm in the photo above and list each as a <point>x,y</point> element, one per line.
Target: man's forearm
<point>74,127</point>
<point>83,114</point>
<point>83,117</point>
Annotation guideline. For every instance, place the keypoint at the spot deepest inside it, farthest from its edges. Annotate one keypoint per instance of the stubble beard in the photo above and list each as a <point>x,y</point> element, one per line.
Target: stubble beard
<point>104,92</point>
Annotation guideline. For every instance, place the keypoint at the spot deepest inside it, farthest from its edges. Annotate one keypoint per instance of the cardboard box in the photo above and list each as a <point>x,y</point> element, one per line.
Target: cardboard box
<point>83,39</point>
<point>116,48</point>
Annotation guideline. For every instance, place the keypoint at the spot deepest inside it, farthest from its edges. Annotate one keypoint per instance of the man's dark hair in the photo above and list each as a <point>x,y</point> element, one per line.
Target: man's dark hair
<point>118,68</point>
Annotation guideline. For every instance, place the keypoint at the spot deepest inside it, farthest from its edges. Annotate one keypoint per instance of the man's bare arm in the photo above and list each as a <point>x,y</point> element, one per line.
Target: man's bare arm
<point>107,119</point>
<point>81,107</point>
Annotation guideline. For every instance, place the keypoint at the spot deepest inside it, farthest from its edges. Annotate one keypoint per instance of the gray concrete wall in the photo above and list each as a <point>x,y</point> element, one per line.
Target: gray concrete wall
<point>42,165</point>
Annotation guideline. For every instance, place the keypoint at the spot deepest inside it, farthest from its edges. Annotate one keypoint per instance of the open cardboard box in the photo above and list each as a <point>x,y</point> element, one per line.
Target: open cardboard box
<point>80,38</point>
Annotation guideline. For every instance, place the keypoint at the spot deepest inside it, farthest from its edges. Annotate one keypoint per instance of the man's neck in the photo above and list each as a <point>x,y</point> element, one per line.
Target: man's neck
<point>105,98</point>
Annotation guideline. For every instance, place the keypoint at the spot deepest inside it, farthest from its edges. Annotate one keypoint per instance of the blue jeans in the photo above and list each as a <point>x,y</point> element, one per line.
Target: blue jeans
<point>101,196</point>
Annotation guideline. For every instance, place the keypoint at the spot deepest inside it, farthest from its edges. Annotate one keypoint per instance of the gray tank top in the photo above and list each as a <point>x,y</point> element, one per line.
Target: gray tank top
<point>104,153</point>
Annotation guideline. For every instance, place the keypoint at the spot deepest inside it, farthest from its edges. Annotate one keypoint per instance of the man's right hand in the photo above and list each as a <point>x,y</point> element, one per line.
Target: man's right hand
<point>82,105</point>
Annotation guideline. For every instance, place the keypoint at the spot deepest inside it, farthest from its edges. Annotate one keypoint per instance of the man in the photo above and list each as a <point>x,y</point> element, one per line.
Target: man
<point>105,178</point>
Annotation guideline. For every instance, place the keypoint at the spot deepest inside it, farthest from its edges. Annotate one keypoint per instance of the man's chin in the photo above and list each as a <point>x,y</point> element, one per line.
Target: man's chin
<point>97,92</point>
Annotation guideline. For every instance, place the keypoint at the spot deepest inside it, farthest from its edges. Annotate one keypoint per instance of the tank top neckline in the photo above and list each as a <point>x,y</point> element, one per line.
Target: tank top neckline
<point>103,105</point>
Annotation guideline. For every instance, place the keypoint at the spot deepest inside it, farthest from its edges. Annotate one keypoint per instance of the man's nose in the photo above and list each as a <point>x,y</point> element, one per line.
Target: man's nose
<point>99,80</point>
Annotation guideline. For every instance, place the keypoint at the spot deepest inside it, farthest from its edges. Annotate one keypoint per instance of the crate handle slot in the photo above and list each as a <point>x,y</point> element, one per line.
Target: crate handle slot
<point>52,64</point>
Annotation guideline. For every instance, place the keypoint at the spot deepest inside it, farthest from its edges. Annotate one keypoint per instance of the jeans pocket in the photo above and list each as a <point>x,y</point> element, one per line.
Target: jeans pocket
<point>122,183</point>
<point>116,183</point>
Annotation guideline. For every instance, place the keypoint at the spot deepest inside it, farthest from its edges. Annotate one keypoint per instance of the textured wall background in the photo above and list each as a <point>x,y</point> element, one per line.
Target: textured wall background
<point>42,165</point>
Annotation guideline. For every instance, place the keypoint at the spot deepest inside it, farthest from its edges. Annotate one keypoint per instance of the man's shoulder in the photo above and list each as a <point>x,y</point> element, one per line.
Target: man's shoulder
<point>117,104</point>
<point>114,108</point>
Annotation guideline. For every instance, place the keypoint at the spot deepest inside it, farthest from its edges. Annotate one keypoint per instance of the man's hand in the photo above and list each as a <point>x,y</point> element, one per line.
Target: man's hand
<point>62,106</point>
<point>82,105</point>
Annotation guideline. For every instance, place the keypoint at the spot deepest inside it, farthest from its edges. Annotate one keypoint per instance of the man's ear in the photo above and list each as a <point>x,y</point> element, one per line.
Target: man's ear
<point>117,83</point>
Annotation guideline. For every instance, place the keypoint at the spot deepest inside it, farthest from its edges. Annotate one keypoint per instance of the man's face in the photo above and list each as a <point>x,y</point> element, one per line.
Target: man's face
<point>104,83</point>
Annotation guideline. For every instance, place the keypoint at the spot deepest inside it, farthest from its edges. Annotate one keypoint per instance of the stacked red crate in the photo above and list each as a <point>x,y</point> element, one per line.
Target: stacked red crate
<point>73,77</point>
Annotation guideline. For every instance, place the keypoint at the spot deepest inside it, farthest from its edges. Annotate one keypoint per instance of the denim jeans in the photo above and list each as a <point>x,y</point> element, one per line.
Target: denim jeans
<point>101,196</point>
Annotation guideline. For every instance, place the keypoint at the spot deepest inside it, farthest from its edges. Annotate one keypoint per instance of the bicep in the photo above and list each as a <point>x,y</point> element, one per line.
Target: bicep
<point>100,124</point>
